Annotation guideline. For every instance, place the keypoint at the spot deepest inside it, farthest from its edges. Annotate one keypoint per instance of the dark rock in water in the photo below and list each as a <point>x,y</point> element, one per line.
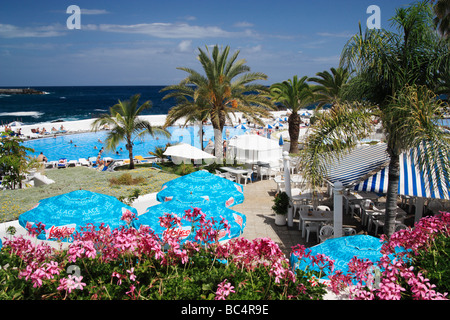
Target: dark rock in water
<point>21,91</point>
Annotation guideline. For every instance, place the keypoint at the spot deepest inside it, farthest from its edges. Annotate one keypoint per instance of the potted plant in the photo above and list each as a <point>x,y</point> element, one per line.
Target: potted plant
<point>280,207</point>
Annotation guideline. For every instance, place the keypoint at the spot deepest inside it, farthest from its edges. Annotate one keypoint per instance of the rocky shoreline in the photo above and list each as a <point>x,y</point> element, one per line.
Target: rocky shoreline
<point>21,91</point>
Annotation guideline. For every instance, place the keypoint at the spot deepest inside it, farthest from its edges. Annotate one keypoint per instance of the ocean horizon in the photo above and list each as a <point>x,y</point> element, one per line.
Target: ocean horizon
<point>71,103</point>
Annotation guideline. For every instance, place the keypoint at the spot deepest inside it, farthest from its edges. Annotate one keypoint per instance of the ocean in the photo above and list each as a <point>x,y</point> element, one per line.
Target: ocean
<point>76,103</point>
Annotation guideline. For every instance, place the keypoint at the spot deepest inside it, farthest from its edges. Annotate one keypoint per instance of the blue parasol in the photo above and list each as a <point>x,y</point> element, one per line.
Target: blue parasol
<point>236,220</point>
<point>281,142</point>
<point>342,250</point>
<point>203,184</point>
<point>71,211</point>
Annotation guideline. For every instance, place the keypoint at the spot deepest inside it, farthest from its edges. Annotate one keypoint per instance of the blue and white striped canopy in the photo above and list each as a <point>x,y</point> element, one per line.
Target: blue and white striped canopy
<point>413,180</point>
<point>358,164</point>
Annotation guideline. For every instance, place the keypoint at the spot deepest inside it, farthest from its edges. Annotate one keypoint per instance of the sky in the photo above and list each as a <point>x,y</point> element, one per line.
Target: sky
<point>137,42</point>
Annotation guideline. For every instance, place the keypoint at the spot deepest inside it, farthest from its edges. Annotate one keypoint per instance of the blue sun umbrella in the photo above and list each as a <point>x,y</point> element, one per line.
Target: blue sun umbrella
<point>342,250</point>
<point>71,211</point>
<point>281,142</point>
<point>240,126</point>
<point>150,218</point>
<point>203,184</point>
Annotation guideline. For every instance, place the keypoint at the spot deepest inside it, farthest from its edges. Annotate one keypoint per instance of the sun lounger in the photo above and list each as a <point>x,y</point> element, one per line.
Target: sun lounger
<point>62,163</point>
<point>83,162</point>
<point>51,164</point>
<point>72,163</point>
<point>92,160</point>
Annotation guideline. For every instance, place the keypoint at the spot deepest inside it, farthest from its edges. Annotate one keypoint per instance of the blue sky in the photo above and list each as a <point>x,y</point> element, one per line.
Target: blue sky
<point>138,42</point>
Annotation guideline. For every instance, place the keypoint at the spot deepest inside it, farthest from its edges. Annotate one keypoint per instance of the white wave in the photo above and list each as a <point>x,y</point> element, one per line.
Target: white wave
<point>4,95</point>
<point>34,114</point>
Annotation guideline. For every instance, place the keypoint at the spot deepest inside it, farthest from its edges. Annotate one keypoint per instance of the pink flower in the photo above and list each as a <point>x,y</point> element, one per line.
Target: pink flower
<point>224,290</point>
<point>128,216</point>
<point>71,283</point>
<point>132,276</point>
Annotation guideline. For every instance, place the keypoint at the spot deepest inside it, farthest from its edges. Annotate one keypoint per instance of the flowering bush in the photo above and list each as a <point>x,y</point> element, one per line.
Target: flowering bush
<point>400,274</point>
<point>126,263</point>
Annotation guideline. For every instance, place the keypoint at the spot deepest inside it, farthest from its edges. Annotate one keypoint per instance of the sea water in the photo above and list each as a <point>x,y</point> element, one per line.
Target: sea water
<point>77,103</point>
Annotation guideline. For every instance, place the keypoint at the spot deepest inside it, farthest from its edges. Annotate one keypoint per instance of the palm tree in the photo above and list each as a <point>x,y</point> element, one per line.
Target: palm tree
<point>396,73</point>
<point>330,86</point>
<point>125,124</point>
<point>294,94</point>
<point>409,122</point>
<point>442,19</point>
<point>384,61</point>
<point>226,88</point>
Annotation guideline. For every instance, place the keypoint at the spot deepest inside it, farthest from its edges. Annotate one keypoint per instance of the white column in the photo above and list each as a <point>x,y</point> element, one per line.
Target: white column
<point>338,195</point>
<point>287,184</point>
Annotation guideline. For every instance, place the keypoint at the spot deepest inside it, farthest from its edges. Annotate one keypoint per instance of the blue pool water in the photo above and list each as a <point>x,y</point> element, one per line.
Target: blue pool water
<point>76,146</point>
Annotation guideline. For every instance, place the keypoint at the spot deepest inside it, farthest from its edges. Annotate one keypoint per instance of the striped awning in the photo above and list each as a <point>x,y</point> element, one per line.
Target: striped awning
<point>413,180</point>
<point>356,166</point>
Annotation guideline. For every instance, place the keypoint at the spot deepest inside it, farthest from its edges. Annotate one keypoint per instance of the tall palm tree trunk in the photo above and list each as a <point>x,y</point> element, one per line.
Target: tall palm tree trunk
<point>130,152</point>
<point>218,144</point>
<point>391,196</point>
<point>294,130</point>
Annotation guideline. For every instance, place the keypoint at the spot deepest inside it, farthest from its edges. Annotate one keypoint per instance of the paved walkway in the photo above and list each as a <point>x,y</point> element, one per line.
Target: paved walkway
<point>257,207</point>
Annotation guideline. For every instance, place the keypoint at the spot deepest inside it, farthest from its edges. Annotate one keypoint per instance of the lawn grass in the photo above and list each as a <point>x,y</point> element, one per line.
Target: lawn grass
<point>15,202</point>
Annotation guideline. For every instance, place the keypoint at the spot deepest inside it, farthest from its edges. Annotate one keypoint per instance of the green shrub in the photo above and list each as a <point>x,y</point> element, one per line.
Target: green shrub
<point>126,179</point>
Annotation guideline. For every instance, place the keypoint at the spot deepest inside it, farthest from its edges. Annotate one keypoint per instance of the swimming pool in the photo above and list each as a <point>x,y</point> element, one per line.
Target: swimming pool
<point>85,145</point>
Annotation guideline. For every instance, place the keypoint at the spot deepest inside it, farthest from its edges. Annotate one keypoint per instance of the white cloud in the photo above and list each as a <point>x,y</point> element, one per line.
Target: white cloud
<point>185,46</point>
<point>169,30</point>
<point>93,11</point>
<point>11,31</point>
<point>243,24</point>
<point>343,34</point>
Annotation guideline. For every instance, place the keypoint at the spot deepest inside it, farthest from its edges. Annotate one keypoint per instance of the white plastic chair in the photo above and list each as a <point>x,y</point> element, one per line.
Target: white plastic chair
<point>220,174</point>
<point>326,232</point>
<point>247,176</point>
<point>400,226</point>
<point>348,231</point>
<point>312,227</point>
<point>229,176</point>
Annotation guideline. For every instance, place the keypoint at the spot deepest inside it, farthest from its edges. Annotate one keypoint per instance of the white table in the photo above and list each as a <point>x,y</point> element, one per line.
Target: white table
<point>237,172</point>
<point>316,216</point>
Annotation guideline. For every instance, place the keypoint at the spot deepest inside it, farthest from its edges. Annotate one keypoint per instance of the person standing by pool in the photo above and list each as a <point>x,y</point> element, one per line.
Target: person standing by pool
<point>41,157</point>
